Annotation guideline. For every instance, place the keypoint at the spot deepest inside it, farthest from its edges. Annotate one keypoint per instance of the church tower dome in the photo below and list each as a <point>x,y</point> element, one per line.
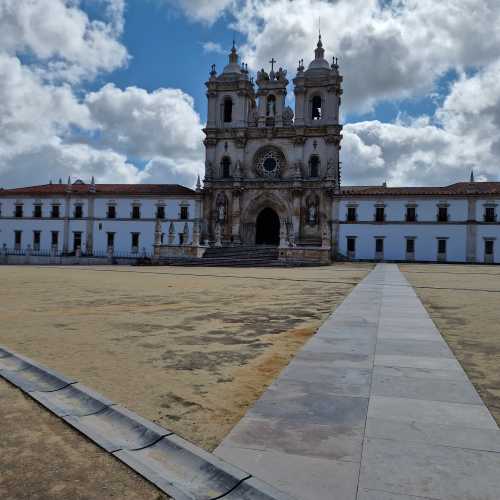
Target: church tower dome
<point>233,67</point>
<point>319,61</point>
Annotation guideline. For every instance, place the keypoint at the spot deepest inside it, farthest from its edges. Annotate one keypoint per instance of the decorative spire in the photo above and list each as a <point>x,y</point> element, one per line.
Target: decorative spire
<point>198,184</point>
<point>319,52</point>
<point>233,55</point>
<point>472,176</point>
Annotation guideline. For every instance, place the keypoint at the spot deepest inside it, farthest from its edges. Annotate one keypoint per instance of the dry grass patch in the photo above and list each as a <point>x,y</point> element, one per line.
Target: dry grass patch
<point>189,348</point>
<point>464,302</point>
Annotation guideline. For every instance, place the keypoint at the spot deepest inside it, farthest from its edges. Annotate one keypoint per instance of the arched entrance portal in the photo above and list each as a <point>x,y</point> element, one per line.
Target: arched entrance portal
<point>267,228</point>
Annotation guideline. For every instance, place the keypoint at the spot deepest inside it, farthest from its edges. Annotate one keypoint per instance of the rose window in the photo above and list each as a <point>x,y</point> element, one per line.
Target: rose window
<point>269,162</point>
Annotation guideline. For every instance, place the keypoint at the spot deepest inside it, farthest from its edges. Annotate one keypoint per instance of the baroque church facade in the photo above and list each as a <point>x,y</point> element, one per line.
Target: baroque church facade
<point>272,177</point>
<point>270,171</point>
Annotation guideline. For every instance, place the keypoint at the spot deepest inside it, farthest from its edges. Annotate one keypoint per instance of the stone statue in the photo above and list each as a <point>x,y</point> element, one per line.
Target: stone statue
<point>185,233</point>
<point>218,235</point>
<point>171,234</point>
<point>283,233</point>
<point>158,232</point>
<point>196,234</point>
<point>288,116</point>
<point>221,213</point>
<point>312,211</point>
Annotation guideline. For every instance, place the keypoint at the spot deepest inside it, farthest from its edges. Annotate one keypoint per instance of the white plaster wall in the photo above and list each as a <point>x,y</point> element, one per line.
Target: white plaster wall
<point>480,208</point>
<point>395,209</point>
<point>394,240</point>
<point>490,231</point>
<point>122,226</point>
<point>28,226</point>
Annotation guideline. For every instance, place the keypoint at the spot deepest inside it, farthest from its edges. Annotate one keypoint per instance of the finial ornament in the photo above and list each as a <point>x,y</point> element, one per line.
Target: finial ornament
<point>472,176</point>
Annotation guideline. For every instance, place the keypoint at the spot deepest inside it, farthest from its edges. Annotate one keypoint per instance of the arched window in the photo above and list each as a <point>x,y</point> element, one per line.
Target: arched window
<point>228,110</point>
<point>226,167</point>
<point>314,164</point>
<point>316,107</point>
<point>271,105</point>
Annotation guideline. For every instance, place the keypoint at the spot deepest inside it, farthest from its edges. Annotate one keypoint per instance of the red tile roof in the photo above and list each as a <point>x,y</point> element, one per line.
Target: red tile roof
<point>458,189</point>
<point>102,189</point>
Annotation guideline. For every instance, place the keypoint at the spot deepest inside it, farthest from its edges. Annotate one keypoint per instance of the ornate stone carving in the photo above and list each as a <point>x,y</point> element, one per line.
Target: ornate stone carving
<point>221,207</point>
<point>288,117</point>
<point>218,235</point>
<point>269,161</point>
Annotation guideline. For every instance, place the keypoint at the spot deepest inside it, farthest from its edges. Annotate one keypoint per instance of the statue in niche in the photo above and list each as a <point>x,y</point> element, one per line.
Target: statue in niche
<point>312,214</point>
<point>221,207</point>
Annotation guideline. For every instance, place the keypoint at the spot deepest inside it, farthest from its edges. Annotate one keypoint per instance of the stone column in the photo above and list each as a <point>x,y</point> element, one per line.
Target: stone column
<point>67,202</point>
<point>299,106</point>
<point>471,231</point>
<point>235,230</point>
<point>335,226</point>
<point>89,243</point>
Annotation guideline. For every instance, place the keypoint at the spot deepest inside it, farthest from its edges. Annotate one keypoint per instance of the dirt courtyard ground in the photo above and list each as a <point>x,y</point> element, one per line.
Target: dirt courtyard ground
<point>77,468</point>
<point>464,302</point>
<point>189,348</point>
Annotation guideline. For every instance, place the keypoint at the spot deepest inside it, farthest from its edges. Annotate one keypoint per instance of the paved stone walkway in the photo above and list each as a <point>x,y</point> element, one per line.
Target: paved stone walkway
<point>374,407</point>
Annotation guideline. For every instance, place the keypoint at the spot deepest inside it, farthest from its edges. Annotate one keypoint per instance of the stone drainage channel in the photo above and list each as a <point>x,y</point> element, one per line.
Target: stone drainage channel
<point>174,465</point>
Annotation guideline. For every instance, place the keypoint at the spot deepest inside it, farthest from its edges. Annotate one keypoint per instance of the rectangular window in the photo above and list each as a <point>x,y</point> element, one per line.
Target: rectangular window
<point>184,212</point>
<point>77,240</point>
<point>489,247</point>
<point>443,214</point>
<point>410,245</point>
<point>442,246</point>
<point>411,214</point>
<point>37,211</point>
<point>380,214</point>
<point>379,245</point>
<point>111,214</point>
<point>55,212</point>
<point>160,212</point>
<point>135,242</point>
<point>78,212</point>
<point>18,239</point>
<point>351,214</point>
<point>111,239</point>
<point>19,211</point>
<point>55,238</point>
<point>36,240</point>
<point>489,214</point>
<point>136,212</point>
<point>351,245</point>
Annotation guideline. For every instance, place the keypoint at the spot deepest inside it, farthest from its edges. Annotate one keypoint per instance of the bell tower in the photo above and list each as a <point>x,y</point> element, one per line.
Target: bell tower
<point>271,174</point>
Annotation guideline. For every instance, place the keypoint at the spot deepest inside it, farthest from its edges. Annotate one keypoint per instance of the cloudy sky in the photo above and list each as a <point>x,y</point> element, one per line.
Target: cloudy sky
<point>115,88</point>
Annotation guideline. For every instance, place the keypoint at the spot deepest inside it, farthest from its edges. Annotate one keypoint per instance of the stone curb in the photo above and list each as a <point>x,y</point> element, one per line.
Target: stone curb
<point>174,465</point>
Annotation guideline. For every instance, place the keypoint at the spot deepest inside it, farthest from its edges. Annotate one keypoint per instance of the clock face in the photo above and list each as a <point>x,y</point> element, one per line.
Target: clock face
<point>269,162</point>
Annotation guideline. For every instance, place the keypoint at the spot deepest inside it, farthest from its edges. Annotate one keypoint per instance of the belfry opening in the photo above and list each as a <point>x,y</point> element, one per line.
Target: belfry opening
<point>267,228</point>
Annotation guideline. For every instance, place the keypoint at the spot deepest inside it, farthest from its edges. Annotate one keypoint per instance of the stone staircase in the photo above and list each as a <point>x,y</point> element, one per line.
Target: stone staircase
<point>236,256</point>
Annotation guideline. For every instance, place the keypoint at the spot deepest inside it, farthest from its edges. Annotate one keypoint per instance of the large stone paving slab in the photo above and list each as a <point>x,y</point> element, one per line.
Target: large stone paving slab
<point>374,407</point>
